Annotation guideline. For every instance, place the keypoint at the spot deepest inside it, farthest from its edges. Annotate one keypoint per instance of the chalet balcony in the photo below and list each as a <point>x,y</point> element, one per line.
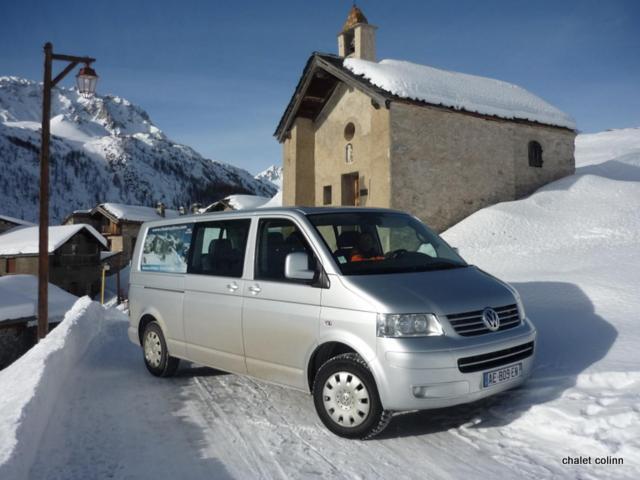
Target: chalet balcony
<point>77,259</point>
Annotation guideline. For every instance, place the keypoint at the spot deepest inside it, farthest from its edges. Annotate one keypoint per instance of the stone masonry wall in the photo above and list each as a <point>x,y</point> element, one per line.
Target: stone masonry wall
<point>446,165</point>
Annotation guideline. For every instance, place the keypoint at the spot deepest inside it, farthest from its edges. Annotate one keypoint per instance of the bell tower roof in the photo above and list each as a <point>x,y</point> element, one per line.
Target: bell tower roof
<point>354,18</point>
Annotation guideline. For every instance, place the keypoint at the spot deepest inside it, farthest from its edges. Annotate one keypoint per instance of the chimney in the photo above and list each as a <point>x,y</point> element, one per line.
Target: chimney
<point>160,209</point>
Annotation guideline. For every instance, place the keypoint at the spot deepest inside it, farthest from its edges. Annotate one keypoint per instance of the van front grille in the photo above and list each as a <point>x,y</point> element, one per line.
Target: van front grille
<point>495,359</point>
<point>468,324</point>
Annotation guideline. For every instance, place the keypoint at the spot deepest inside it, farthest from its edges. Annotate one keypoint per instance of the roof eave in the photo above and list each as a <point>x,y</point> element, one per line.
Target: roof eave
<point>315,62</point>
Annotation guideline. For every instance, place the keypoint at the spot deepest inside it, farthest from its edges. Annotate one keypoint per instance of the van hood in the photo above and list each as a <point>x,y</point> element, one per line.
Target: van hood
<point>441,292</point>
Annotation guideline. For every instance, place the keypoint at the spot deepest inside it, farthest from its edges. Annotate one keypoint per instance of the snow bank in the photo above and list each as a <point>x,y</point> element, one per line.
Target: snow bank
<point>24,240</point>
<point>30,386</point>
<point>458,90</point>
<point>19,297</point>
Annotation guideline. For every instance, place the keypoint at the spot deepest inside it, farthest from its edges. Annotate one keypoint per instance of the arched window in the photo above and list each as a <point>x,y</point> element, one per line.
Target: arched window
<point>535,154</point>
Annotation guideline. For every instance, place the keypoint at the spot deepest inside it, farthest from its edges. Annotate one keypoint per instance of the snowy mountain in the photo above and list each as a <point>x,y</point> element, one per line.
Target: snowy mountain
<point>102,149</point>
<point>272,174</point>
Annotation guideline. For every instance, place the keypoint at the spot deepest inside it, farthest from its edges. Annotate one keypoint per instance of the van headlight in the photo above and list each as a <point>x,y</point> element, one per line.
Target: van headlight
<point>408,325</point>
<point>520,304</point>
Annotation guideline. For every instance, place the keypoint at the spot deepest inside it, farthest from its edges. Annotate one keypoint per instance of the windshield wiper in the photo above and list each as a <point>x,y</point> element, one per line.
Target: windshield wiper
<point>443,266</point>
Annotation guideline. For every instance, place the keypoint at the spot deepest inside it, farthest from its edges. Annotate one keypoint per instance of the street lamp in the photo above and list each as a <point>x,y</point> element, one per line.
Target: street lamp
<point>86,80</point>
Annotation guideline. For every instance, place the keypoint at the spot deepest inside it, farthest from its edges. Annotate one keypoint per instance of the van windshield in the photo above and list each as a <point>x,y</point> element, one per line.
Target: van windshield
<point>366,243</point>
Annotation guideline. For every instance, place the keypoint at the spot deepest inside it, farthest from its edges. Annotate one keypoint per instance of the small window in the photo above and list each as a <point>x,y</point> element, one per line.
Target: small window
<point>326,195</point>
<point>535,154</point>
<point>219,248</point>
<point>166,249</point>
<point>277,238</point>
<point>349,131</point>
<point>348,153</point>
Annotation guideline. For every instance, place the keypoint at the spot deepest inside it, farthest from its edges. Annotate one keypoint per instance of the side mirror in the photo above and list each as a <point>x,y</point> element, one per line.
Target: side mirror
<point>456,249</point>
<point>296,267</point>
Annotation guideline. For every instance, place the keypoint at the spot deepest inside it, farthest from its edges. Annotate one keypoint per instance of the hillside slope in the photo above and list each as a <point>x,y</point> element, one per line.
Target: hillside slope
<point>102,149</point>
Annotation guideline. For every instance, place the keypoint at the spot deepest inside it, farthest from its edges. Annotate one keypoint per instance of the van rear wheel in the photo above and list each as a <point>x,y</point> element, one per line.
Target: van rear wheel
<point>346,398</point>
<point>156,355</point>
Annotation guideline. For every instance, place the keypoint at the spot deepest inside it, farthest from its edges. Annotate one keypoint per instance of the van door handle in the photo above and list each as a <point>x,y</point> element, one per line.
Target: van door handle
<point>232,287</point>
<point>255,289</point>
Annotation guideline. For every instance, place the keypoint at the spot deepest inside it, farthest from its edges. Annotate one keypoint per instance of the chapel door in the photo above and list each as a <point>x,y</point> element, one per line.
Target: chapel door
<point>351,189</point>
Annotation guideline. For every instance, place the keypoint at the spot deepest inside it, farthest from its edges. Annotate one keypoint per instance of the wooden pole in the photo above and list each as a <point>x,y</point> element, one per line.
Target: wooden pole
<point>43,243</point>
<point>104,272</point>
<point>118,285</point>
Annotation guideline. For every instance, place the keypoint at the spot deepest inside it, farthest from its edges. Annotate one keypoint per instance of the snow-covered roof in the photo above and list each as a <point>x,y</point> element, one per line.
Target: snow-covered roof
<point>460,91</point>
<point>17,221</point>
<point>19,295</point>
<point>276,201</point>
<point>245,202</point>
<point>24,240</point>
<point>136,213</point>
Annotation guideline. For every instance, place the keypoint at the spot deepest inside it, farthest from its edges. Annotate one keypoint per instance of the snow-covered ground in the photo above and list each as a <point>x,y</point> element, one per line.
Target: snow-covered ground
<point>571,249</point>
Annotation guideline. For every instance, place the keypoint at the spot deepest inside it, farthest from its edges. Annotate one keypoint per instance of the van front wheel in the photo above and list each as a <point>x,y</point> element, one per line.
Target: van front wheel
<point>346,398</point>
<point>156,355</point>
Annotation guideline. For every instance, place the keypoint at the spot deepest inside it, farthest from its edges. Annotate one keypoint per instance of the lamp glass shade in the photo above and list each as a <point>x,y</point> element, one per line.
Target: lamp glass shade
<point>87,79</point>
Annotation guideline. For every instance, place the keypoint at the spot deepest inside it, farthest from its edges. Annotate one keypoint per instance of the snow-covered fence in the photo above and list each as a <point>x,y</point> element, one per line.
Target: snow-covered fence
<point>30,386</point>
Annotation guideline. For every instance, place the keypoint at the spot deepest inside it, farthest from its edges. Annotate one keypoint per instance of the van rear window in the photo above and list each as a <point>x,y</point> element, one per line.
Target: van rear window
<point>166,249</point>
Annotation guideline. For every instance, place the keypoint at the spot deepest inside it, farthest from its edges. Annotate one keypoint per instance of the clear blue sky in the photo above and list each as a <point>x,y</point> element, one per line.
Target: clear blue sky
<point>217,75</point>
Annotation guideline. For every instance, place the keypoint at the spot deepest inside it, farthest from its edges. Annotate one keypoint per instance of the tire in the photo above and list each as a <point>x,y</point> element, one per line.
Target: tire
<point>346,398</point>
<point>155,353</point>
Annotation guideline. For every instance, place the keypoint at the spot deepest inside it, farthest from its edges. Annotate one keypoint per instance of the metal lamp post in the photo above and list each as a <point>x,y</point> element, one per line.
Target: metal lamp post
<point>86,82</point>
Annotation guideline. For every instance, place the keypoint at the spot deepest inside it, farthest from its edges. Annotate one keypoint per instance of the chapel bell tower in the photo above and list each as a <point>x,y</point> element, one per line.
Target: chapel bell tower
<point>357,38</point>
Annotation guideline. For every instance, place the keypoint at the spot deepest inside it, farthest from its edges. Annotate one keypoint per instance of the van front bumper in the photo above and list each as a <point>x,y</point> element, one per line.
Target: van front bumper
<point>412,376</point>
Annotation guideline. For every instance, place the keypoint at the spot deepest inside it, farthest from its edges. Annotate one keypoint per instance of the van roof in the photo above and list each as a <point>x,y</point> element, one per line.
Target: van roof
<point>262,211</point>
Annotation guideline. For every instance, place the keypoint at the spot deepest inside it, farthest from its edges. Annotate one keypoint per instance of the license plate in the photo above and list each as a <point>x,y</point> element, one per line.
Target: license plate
<point>501,375</point>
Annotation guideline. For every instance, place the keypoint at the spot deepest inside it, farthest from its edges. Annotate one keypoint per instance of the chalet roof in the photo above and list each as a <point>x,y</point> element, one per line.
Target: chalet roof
<point>24,240</point>
<point>133,213</point>
<point>19,298</point>
<point>16,221</point>
<point>394,80</point>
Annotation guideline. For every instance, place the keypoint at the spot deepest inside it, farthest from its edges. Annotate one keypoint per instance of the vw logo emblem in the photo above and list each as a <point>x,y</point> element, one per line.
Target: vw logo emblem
<point>491,319</point>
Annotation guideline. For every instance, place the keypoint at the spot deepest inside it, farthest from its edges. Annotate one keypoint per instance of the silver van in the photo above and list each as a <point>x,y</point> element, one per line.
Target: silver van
<point>367,309</point>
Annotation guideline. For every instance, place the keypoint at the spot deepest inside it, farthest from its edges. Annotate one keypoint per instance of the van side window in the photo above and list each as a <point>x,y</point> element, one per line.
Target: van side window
<point>276,239</point>
<point>166,249</point>
<point>219,248</point>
